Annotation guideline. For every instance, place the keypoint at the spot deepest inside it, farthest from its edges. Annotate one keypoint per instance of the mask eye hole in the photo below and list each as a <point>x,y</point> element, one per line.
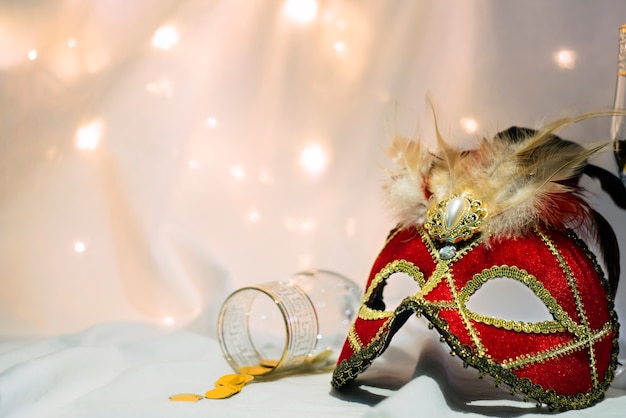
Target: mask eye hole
<point>508,299</point>
<point>398,286</point>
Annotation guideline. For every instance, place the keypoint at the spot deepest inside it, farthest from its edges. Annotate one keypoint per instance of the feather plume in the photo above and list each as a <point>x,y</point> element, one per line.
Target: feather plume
<point>449,156</point>
<point>524,178</point>
<point>407,192</point>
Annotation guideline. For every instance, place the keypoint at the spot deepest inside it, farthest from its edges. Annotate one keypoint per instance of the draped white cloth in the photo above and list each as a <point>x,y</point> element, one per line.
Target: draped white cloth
<point>156,155</point>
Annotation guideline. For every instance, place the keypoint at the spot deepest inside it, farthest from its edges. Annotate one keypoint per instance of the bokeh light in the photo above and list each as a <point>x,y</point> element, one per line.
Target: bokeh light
<point>469,125</point>
<point>165,37</point>
<point>565,58</point>
<point>88,136</point>
<point>314,159</point>
<point>237,172</point>
<point>80,247</point>
<point>300,11</point>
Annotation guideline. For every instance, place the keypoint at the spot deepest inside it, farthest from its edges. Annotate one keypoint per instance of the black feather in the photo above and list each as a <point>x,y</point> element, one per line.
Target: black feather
<point>607,241</point>
<point>610,183</point>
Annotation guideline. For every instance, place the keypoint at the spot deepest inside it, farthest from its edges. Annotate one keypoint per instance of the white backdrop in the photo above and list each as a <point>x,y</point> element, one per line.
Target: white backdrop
<point>155,155</point>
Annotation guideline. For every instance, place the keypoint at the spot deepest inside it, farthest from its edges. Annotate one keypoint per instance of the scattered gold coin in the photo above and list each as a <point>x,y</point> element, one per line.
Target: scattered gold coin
<point>234,379</point>
<point>186,397</point>
<point>223,392</point>
<point>255,370</point>
<point>268,363</point>
<point>230,384</point>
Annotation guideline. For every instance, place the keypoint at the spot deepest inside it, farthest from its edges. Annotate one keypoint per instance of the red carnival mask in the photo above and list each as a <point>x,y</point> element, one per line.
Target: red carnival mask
<point>507,210</point>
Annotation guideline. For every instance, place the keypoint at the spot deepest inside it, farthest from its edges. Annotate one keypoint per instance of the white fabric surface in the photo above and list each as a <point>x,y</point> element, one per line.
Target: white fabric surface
<point>130,370</point>
<point>118,243</point>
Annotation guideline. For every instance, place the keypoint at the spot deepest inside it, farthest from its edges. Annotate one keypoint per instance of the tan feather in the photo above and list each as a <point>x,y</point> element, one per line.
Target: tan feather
<point>447,153</point>
<point>407,191</point>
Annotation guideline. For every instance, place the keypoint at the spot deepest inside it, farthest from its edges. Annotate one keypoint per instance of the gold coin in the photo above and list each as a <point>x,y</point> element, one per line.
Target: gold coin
<point>255,370</point>
<point>247,377</point>
<point>269,363</point>
<point>186,397</point>
<point>234,379</point>
<point>222,392</point>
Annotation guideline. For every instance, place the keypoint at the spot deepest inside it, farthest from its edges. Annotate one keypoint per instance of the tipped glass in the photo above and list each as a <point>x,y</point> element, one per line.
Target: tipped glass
<point>294,325</point>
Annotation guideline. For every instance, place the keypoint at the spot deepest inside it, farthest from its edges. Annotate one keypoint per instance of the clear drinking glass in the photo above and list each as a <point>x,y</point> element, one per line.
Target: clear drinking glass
<point>297,324</point>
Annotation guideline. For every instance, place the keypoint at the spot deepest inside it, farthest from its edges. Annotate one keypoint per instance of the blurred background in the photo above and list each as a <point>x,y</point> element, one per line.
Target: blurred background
<point>156,155</point>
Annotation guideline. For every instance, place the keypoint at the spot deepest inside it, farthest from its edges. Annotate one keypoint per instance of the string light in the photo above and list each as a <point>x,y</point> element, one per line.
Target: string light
<point>211,122</point>
<point>304,225</point>
<point>253,216</point>
<point>162,87</point>
<point>194,164</point>
<point>565,58</point>
<point>300,11</point>
<point>313,158</point>
<point>307,225</point>
<point>71,42</point>
<point>169,321</point>
<point>80,247</point>
<point>237,172</point>
<point>340,48</point>
<point>32,54</point>
<point>470,125</point>
<point>88,136</point>
<point>165,37</point>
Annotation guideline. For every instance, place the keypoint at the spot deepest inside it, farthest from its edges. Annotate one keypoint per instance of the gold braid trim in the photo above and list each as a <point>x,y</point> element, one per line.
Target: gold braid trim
<point>559,351</point>
<point>354,340</point>
<point>396,266</point>
<point>474,334</point>
<point>372,314</point>
<point>579,305</point>
<point>563,321</point>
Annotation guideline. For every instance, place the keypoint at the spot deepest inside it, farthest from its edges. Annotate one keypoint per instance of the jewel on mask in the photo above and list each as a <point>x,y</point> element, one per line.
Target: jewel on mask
<point>448,252</point>
<point>455,219</point>
<point>455,209</point>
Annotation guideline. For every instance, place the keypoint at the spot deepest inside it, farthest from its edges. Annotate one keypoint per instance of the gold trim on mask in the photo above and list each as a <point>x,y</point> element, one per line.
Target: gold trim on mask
<point>355,341</point>
<point>372,314</point>
<point>396,266</point>
<point>563,321</point>
<point>560,350</point>
<point>579,305</point>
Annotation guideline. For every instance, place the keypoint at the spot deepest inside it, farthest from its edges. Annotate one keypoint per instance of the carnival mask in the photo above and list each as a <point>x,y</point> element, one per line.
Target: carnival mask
<point>511,209</point>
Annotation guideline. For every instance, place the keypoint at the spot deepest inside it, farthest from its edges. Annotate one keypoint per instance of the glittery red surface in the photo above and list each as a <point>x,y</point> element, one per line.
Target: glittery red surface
<point>501,344</point>
<point>567,375</point>
<point>366,330</point>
